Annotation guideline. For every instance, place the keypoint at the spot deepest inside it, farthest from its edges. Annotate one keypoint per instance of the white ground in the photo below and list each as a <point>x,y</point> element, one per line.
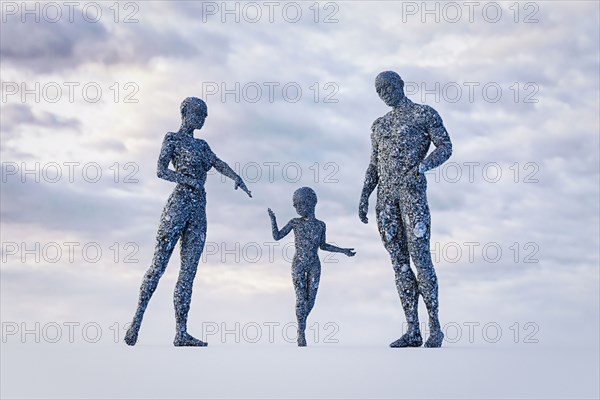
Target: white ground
<point>283,371</point>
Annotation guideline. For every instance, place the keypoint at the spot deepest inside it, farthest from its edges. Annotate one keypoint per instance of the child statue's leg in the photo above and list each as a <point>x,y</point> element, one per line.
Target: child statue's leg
<point>313,278</point>
<point>300,285</point>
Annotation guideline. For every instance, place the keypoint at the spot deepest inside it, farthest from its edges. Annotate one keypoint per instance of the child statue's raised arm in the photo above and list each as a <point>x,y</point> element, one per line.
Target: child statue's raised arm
<point>279,234</point>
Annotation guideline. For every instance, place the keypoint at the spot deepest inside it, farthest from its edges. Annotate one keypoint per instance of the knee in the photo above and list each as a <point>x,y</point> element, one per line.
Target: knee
<point>406,281</point>
<point>401,267</point>
<point>405,278</point>
<point>153,273</point>
<point>189,260</point>
<point>300,304</point>
<point>397,251</point>
<point>185,280</point>
<point>423,263</point>
<point>427,279</point>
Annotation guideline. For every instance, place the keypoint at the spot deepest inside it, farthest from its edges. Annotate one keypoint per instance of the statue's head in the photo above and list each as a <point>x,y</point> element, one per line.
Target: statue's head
<point>390,88</point>
<point>305,200</point>
<point>193,112</point>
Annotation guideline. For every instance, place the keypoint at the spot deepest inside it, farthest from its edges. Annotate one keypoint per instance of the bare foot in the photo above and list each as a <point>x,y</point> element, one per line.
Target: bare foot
<point>132,335</point>
<point>185,339</point>
<point>435,339</point>
<point>408,340</point>
<point>301,339</point>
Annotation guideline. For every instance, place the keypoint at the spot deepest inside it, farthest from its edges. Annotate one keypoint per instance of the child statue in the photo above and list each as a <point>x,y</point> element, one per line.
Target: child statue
<point>309,237</point>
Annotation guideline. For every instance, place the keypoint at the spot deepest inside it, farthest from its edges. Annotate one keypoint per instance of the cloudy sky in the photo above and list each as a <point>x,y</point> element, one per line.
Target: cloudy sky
<point>89,92</point>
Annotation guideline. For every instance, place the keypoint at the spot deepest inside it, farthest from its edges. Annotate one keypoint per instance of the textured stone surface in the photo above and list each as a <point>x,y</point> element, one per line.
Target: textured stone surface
<point>309,237</point>
<point>183,218</point>
<point>400,141</point>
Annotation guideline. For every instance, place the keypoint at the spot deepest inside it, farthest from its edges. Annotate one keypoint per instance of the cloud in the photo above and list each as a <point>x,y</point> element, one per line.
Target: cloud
<point>15,116</point>
<point>47,47</point>
<point>89,210</point>
<point>170,53</point>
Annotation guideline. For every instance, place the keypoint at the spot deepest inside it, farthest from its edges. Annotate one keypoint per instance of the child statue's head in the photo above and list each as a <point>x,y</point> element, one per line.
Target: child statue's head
<point>305,200</point>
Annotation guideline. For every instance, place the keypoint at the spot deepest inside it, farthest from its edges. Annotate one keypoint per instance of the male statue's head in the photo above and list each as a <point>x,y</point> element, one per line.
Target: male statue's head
<point>305,200</point>
<point>193,113</point>
<point>390,88</point>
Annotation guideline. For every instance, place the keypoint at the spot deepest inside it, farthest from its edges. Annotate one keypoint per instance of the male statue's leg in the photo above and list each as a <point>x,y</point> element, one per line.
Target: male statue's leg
<point>393,236</point>
<point>169,230</point>
<point>418,223</point>
<point>192,244</point>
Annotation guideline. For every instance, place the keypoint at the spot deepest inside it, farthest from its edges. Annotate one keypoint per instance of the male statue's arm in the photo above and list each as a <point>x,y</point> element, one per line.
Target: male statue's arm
<point>371,180</point>
<point>441,140</point>
<point>163,171</point>
<point>278,234</point>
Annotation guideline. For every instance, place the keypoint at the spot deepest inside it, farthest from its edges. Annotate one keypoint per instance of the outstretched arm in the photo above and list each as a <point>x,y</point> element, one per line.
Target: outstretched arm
<point>278,234</point>
<point>223,168</point>
<point>371,180</point>
<point>334,249</point>
<point>166,154</point>
<point>440,138</point>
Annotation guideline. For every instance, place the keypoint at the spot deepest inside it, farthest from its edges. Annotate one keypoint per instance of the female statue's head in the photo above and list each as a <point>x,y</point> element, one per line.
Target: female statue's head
<point>193,113</point>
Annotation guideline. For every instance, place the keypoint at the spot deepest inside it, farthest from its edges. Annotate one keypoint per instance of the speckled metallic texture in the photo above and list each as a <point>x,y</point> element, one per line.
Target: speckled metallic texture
<point>400,141</point>
<point>183,218</point>
<point>309,237</point>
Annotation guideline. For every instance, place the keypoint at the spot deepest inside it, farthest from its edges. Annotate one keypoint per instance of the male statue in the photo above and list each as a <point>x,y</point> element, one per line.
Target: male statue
<point>400,141</point>
<point>183,218</point>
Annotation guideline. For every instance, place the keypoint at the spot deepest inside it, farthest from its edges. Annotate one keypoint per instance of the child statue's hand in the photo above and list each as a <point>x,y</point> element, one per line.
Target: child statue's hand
<point>349,252</point>
<point>271,213</point>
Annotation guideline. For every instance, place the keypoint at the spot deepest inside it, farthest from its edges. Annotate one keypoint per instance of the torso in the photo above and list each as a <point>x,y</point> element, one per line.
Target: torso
<point>308,236</point>
<point>402,142</point>
<point>191,156</point>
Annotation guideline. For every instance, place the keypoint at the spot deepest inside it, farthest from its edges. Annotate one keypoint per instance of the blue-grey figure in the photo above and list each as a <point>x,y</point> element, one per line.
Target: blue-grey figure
<point>309,237</point>
<point>400,141</point>
<point>184,216</point>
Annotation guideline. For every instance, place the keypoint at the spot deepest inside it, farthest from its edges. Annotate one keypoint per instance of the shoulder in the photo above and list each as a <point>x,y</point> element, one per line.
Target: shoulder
<point>319,225</point>
<point>170,142</point>
<point>424,108</point>
<point>202,143</point>
<point>376,123</point>
<point>428,113</point>
<point>383,121</point>
<point>170,137</point>
<point>376,128</point>
<point>322,225</point>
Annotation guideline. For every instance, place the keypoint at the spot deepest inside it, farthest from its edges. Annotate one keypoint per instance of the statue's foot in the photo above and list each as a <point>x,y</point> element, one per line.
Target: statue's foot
<point>435,339</point>
<point>132,335</point>
<point>185,339</point>
<point>409,339</point>
<point>301,339</point>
